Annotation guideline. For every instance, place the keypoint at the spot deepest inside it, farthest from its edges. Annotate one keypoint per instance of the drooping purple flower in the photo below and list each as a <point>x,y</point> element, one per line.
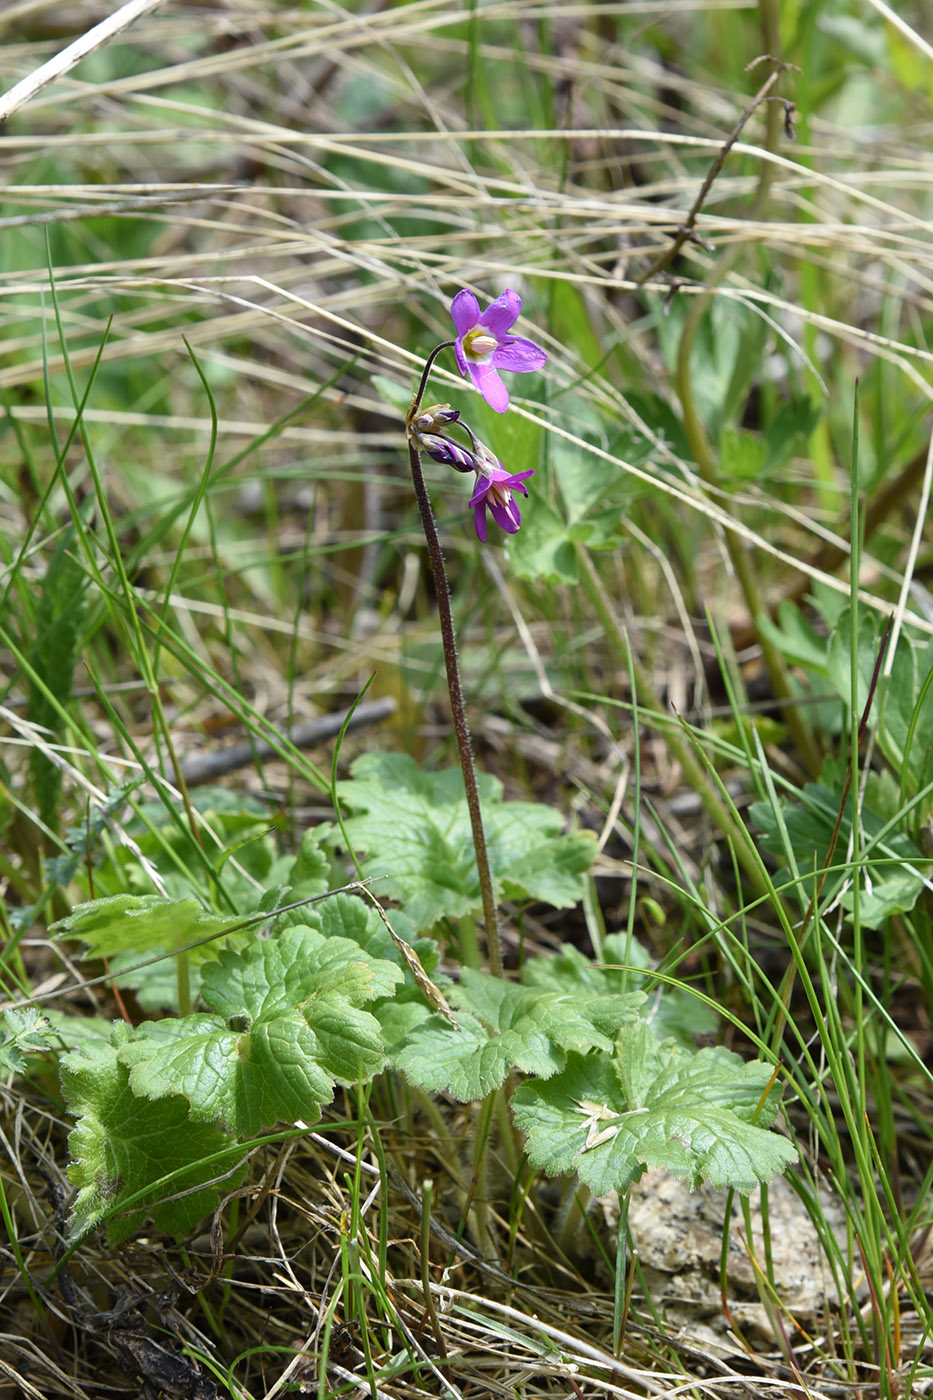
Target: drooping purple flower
<point>444,449</point>
<point>484,346</point>
<point>494,487</point>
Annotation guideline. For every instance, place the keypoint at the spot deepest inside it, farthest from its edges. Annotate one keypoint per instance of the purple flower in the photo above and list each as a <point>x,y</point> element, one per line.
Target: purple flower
<point>484,346</point>
<point>444,449</point>
<point>494,487</point>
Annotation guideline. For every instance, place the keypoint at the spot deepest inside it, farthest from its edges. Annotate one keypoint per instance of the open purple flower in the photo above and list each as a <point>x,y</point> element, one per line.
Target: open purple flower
<point>494,487</point>
<point>483,345</point>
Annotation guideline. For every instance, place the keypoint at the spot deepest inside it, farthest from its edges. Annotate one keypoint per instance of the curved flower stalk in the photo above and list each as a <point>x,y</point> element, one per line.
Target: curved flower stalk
<point>482,348</point>
<point>483,345</point>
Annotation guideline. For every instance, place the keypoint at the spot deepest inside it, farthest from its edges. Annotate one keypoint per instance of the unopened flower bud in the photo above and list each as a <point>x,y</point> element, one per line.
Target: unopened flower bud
<point>439,415</point>
<point>444,449</point>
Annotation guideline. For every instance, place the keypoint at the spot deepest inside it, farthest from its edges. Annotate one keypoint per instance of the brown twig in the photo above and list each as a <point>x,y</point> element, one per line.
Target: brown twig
<point>685,231</point>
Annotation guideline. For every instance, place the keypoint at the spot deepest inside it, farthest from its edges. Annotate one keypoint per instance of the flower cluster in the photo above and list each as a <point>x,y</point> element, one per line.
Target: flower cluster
<point>494,485</point>
<point>483,347</point>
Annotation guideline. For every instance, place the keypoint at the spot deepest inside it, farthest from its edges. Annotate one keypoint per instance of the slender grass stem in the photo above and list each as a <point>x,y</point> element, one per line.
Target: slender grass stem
<point>649,702</point>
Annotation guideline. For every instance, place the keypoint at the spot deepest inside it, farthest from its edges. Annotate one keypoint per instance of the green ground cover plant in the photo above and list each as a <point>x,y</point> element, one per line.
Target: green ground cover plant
<point>466,730</point>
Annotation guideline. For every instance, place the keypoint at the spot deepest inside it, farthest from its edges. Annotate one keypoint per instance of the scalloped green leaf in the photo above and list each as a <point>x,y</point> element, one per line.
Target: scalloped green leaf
<point>288,1025</point>
<point>502,1027</point>
<point>25,1031</point>
<point>414,827</point>
<point>654,1103</point>
<point>142,923</point>
<point>626,968</point>
<point>132,1158</point>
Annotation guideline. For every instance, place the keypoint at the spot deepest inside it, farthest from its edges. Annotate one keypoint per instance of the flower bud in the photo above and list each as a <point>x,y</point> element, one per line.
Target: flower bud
<point>439,415</point>
<point>444,449</point>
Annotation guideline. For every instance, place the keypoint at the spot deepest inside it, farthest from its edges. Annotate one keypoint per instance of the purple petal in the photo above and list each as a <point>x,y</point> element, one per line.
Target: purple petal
<point>518,355</point>
<point>462,364</point>
<point>481,492</point>
<point>465,311</point>
<point>515,482</point>
<point>479,516</point>
<point>508,517</point>
<point>445,450</point>
<point>500,315</point>
<point>490,386</point>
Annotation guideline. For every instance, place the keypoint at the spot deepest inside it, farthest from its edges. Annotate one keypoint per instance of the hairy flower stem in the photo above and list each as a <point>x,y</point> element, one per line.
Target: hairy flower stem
<point>455,690</point>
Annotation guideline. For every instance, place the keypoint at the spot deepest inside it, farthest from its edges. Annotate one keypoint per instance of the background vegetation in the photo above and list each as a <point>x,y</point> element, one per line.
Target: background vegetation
<point>230,236</point>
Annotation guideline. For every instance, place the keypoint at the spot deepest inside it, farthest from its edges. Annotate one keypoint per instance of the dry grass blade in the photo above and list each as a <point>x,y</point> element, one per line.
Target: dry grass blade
<point>108,29</point>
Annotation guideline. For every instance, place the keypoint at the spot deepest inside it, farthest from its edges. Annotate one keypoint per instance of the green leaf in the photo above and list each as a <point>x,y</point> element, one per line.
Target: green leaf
<point>399,1019</point>
<point>141,924</point>
<point>308,874</point>
<point>890,885</point>
<point>583,477</point>
<point>839,657</point>
<point>543,551</point>
<point>416,826</point>
<point>791,427</point>
<point>129,1155</point>
<point>502,1027</point>
<point>25,1031</point>
<point>654,1104</point>
<point>396,396</point>
<point>62,605</point>
<point>674,1012</point>
<point>910,62</point>
<point>797,639</point>
<point>905,725</point>
<point>571,321</point>
<point>288,1026</point>
<point>742,454</point>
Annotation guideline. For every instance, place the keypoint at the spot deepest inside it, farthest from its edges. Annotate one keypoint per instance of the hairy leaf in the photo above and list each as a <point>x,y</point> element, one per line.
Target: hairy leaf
<point>132,1158</point>
<point>287,1025</point>
<point>626,968</point>
<point>140,924</point>
<point>502,1027</point>
<point>25,1030</point>
<point>415,828</point>
<point>654,1103</point>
